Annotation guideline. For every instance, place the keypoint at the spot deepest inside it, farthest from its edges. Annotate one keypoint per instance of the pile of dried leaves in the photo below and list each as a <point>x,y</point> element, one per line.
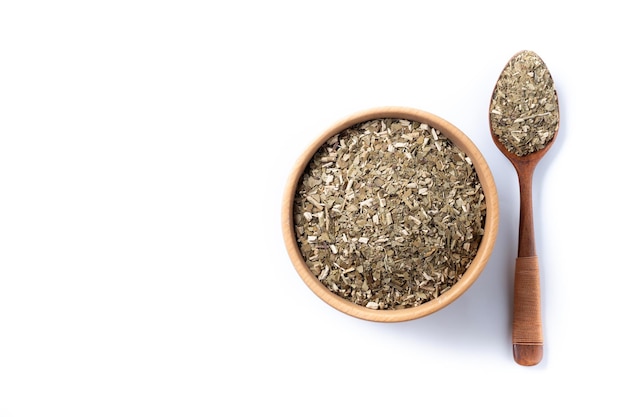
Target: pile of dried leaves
<point>524,111</point>
<point>389,214</point>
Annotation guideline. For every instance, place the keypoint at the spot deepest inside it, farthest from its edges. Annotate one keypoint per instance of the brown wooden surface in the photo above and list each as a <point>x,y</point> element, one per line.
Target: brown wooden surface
<point>527,327</point>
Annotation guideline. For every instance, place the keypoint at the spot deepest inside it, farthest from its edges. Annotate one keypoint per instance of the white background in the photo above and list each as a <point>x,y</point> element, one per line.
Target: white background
<point>144,148</point>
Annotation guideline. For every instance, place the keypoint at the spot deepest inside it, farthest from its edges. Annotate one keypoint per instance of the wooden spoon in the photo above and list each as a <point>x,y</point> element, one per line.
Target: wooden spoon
<point>524,121</point>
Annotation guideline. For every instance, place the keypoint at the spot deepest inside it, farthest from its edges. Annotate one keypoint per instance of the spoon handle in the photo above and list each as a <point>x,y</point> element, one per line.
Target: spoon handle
<point>527,327</point>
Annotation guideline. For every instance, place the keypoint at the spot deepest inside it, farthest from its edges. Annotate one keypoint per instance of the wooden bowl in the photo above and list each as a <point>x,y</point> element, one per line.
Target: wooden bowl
<point>470,275</point>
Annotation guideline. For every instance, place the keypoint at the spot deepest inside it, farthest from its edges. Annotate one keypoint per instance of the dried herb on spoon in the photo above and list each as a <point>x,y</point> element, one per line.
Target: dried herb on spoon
<point>524,112</point>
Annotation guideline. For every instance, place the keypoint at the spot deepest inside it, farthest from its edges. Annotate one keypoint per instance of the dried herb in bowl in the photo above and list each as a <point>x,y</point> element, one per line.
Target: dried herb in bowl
<point>389,213</point>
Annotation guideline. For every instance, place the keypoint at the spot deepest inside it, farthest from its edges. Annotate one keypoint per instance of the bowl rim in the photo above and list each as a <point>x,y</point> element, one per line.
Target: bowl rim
<point>476,266</point>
